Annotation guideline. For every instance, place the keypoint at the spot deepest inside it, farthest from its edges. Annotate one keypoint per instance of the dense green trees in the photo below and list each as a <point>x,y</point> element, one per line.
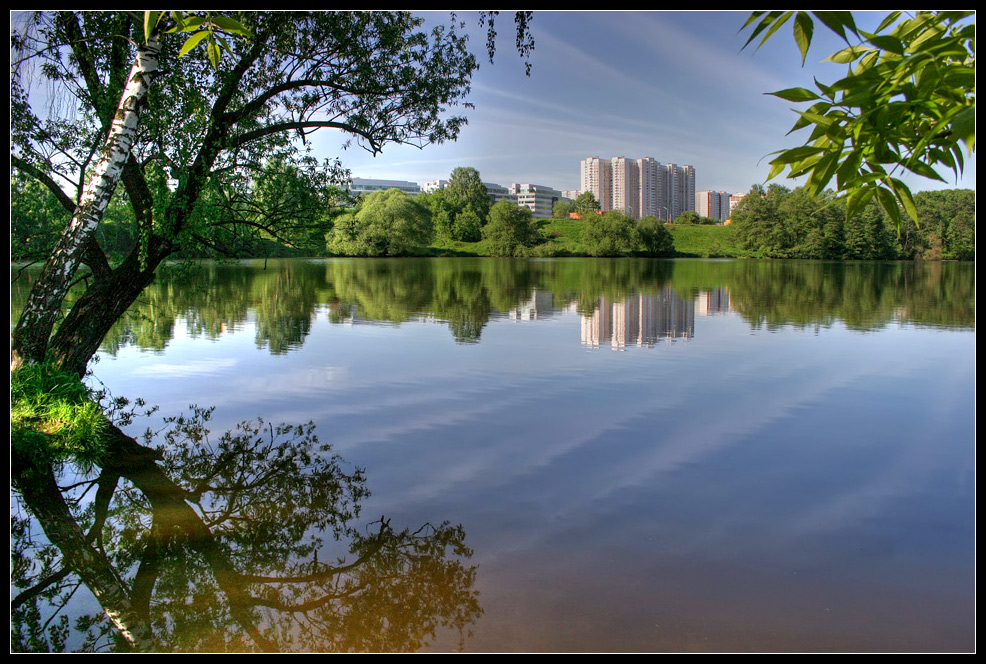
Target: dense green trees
<point>948,223</point>
<point>386,223</point>
<point>781,223</point>
<point>286,202</point>
<point>510,228</point>
<point>466,190</point>
<point>37,218</point>
<point>609,234</point>
<point>653,237</point>
<point>692,217</point>
<point>615,233</point>
<point>460,210</point>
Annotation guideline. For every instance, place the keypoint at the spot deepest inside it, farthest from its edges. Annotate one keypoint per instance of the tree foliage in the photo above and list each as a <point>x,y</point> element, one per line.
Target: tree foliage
<point>693,217</point>
<point>462,207</point>
<point>285,204</point>
<point>609,234</point>
<point>511,227</point>
<point>205,134</point>
<point>37,218</point>
<point>948,226</point>
<point>586,204</point>
<point>783,223</point>
<point>907,103</point>
<point>653,237</point>
<point>465,188</point>
<point>468,226</point>
<point>387,223</point>
<point>563,209</point>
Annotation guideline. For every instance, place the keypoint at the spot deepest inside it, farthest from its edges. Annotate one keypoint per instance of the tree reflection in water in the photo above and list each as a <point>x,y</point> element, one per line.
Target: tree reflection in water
<point>243,543</point>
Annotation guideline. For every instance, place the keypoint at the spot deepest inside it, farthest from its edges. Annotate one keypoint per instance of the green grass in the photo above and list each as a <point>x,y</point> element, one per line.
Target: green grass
<point>703,241</point>
<point>54,417</point>
<point>562,238</point>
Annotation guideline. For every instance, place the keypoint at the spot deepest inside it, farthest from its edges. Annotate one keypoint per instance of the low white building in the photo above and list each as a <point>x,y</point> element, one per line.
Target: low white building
<point>368,186</point>
<point>539,198</point>
<point>499,193</point>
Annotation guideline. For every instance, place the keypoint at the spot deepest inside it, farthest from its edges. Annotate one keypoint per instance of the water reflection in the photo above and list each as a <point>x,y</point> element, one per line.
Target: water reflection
<point>798,474</point>
<point>639,320</point>
<point>282,298</point>
<point>248,542</point>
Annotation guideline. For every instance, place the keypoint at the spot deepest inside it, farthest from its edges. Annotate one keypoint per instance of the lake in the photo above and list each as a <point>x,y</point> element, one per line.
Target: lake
<point>643,455</point>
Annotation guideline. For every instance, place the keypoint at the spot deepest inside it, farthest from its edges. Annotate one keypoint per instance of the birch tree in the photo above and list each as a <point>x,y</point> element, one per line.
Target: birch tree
<point>157,115</point>
<point>377,78</point>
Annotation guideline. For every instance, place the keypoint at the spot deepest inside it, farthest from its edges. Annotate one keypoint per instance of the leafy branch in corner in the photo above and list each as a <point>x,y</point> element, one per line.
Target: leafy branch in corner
<point>906,104</point>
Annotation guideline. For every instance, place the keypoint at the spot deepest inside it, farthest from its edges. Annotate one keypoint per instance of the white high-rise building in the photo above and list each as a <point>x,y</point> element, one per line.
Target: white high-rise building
<point>681,190</point>
<point>640,187</point>
<point>688,182</point>
<point>652,185</point>
<point>626,186</point>
<point>597,177</point>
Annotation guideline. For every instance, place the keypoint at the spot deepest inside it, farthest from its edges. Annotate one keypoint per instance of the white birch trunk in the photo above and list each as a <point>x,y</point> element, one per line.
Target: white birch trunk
<point>30,338</point>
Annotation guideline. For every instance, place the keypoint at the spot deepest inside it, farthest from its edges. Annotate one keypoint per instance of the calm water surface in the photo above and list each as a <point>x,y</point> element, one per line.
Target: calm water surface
<point>644,455</point>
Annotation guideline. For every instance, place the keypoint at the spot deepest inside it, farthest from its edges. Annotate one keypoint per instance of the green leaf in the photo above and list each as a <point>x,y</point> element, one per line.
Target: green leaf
<point>823,172</point>
<point>214,55</point>
<point>192,23</point>
<point>887,43</point>
<point>837,22</point>
<point>857,199</point>
<point>823,121</point>
<point>888,201</point>
<point>797,154</point>
<point>848,170</point>
<point>224,44</point>
<point>847,55</point>
<point>887,22</point>
<point>923,169</point>
<point>776,168</point>
<point>770,22</point>
<point>964,126</point>
<point>150,22</point>
<point>192,42</point>
<point>804,27</point>
<point>904,196</point>
<point>796,94</point>
<point>230,26</point>
<point>825,89</point>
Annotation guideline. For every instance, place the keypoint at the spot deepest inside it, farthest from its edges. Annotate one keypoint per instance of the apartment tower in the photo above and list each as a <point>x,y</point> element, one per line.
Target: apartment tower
<point>597,177</point>
<point>640,187</point>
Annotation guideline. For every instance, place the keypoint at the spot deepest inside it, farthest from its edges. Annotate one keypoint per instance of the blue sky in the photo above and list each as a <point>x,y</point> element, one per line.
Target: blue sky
<point>669,85</point>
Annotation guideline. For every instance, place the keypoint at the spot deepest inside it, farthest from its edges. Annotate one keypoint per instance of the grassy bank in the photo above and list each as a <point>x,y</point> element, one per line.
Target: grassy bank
<point>563,238</point>
<point>701,241</point>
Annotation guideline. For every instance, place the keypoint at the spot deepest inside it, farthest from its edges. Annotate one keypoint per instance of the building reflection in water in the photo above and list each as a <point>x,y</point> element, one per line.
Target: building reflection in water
<point>645,319</point>
<point>712,302</point>
<point>540,305</point>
